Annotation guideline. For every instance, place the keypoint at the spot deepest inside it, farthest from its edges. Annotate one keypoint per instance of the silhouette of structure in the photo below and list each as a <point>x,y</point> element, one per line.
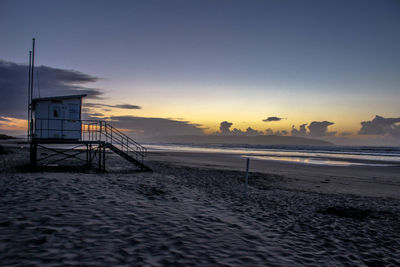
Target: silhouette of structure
<point>55,125</point>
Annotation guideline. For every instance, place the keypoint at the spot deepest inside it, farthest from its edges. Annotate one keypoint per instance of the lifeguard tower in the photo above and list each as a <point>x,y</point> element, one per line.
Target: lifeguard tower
<point>55,126</point>
<point>57,117</point>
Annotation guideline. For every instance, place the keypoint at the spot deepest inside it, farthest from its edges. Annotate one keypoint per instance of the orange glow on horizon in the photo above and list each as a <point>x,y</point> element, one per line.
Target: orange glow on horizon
<point>210,125</point>
<point>13,124</point>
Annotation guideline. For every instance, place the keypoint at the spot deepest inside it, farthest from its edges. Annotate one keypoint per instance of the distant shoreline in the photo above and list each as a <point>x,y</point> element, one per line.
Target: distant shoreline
<point>232,139</point>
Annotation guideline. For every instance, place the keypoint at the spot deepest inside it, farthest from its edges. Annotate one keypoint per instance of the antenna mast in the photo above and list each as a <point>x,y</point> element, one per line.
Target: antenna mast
<point>33,66</point>
<point>30,90</point>
<point>29,95</point>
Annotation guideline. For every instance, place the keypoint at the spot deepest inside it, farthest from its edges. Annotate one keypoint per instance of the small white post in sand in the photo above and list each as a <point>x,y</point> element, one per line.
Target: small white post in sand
<point>247,176</point>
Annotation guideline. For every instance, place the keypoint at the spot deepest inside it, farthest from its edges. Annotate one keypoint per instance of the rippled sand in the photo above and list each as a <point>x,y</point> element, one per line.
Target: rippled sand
<point>187,216</point>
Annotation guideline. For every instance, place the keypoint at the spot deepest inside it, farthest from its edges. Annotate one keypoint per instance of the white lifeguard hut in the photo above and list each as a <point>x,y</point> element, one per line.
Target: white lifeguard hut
<point>55,125</point>
<point>57,117</point>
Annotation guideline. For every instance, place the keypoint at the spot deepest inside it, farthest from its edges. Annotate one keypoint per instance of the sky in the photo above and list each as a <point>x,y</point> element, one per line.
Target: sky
<point>185,67</point>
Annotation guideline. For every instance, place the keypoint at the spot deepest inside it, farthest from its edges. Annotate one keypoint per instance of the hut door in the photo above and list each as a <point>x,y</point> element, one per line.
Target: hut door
<point>56,122</point>
<point>73,124</point>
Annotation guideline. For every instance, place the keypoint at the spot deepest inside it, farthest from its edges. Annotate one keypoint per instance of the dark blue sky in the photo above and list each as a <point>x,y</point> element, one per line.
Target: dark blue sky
<point>305,60</point>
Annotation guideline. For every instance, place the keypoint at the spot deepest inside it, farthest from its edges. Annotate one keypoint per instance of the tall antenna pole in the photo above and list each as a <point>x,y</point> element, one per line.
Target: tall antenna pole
<point>33,66</point>
<point>29,94</point>
<point>33,146</point>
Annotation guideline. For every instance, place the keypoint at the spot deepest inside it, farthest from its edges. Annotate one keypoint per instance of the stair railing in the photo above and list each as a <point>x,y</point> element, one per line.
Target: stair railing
<point>103,131</point>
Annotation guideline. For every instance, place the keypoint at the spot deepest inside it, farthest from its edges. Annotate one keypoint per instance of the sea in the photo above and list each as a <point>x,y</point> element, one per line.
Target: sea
<point>319,155</point>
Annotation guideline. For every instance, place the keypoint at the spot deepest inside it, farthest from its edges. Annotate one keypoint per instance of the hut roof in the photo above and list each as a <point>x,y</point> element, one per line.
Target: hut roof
<point>57,97</point>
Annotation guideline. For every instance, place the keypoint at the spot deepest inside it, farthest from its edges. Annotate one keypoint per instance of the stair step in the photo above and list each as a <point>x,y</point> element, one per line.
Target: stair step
<point>128,157</point>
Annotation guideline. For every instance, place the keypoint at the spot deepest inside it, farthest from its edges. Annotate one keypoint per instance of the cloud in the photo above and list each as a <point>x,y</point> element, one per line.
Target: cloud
<point>381,126</point>
<point>121,106</point>
<point>224,127</point>
<point>315,129</point>
<point>96,114</point>
<point>302,131</point>
<point>12,125</point>
<point>236,131</point>
<point>4,119</point>
<point>154,127</point>
<point>269,131</point>
<point>127,106</point>
<point>251,132</point>
<point>269,119</point>
<point>52,82</point>
<point>320,128</point>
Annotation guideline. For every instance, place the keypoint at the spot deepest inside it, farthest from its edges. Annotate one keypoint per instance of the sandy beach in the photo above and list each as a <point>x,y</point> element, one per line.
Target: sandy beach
<point>192,211</point>
<point>200,133</point>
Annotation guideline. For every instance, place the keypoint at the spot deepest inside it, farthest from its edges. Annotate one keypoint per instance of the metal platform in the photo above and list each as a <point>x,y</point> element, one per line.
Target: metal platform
<point>97,137</point>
